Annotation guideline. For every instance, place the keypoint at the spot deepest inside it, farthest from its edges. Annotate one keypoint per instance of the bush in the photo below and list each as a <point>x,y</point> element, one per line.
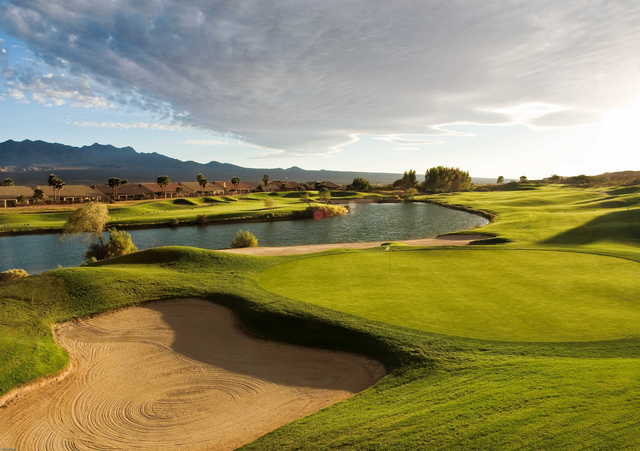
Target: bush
<point>13,274</point>
<point>244,238</point>
<point>120,243</point>
<point>326,211</point>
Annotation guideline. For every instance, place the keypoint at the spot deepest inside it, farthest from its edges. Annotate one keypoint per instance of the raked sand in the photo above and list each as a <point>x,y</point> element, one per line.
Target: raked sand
<point>444,240</point>
<point>175,375</point>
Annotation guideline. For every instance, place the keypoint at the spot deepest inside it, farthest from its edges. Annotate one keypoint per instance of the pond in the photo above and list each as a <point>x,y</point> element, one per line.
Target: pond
<point>366,222</point>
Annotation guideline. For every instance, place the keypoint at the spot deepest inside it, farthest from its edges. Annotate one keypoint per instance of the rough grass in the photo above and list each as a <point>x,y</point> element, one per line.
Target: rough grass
<point>184,210</point>
<point>513,346</point>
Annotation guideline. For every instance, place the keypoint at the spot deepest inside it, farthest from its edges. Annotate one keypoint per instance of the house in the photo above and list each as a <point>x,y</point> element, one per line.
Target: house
<point>328,185</point>
<point>284,185</point>
<point>210,189</point>
<point>243,187</point>
<point>173,189</point>
<point>12,196</point>
<point>128,191</point>
<point>70,194</point>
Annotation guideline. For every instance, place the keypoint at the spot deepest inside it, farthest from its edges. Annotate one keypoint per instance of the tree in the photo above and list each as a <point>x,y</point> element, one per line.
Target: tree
<point>360,184</point>
<point>265,181</point>
<point>90,218</point>
<point>442,179</point>
<point>202,181</point>
<point>235,181</point>
<point>38,195</point>
<point>407,181</point>
<point>523,179</point>
<point>325,195</point>
<point>20,199</point>
<point>500,180</point>
<point>119,243</point>
<point>56,183</point>
<point>115,183</point>
<point>179,190</point>
<point>163,181</point>
<point>8,182</point>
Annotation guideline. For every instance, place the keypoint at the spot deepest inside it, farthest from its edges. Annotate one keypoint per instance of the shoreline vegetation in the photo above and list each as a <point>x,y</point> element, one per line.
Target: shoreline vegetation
<point>208,210</point>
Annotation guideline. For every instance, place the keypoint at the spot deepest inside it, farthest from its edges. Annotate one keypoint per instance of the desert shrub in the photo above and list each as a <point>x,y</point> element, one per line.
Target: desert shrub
<point>244,238</point>
<point>13,274</point>
<point>184,201</point>
<point>119,243</point>
<point>326,211</point>
<point>90,218</point>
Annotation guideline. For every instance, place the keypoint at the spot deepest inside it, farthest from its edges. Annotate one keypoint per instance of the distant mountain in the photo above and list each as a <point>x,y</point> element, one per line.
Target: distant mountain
<point>29,162</point>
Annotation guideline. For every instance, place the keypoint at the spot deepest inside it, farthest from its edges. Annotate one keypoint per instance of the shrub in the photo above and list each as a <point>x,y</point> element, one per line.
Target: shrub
<point>244,238</point>
<point>446,180</point>
<point>13,274</point>
<point>120,243</point>
<point>360,184</point>
<point>326,211</point>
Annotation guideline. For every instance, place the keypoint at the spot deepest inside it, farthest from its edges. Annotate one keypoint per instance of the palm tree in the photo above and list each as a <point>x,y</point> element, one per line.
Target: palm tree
<point>500,180</point>
<point>235,181</point>
<point>114,183</point>
<point>202,181</point>
<point>163,181</point>
<point>265,181</point>
<point>56,183</point>
<point>38,195</point>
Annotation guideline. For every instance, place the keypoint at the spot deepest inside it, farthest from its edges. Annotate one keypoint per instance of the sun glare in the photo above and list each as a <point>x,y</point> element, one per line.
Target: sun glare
<point>620,134</point>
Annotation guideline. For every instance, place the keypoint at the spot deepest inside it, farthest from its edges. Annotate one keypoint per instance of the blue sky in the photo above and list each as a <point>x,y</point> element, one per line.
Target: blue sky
<point>533,89</point>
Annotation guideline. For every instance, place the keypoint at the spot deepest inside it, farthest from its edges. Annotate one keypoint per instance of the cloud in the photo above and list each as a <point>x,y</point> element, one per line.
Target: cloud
<point>130,125</point>
<point>205,142</point>
<point>306,77</point>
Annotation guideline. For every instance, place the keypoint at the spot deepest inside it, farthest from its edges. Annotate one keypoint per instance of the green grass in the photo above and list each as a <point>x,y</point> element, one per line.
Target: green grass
<point>160,212</point>
<point>532,344</point>
<point>595,218</point>
<point>531,296</point>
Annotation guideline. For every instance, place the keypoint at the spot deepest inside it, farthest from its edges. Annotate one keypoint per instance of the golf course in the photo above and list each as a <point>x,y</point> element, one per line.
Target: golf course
<point>531,342</point>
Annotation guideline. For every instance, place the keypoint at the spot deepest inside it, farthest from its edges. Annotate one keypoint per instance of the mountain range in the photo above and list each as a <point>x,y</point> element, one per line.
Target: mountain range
<point>29,162</point>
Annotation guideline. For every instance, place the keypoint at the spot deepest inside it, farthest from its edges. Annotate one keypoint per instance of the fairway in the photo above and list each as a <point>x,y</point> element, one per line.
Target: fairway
<point>506,295</point>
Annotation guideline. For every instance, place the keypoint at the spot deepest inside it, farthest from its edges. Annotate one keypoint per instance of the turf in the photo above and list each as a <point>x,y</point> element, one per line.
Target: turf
<point>531,344</point>
<point>556,215</point>
<point>508,295</point>
<point>163,212</point>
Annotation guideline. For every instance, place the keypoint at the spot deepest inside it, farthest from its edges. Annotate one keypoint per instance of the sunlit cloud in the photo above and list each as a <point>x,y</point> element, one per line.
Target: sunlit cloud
<point>307,78</point>
<point>129,125</point>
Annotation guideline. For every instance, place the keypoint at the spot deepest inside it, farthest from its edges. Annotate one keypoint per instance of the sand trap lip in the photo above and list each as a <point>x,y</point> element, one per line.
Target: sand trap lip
<point>444,240</point>
<point>176,375</point>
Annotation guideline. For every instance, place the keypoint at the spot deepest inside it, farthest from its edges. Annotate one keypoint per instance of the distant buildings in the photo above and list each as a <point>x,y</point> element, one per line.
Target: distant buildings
<point>13,196</point>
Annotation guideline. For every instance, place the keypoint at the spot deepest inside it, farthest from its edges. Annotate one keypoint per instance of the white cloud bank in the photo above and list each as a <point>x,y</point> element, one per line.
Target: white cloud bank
<point>310,76</point>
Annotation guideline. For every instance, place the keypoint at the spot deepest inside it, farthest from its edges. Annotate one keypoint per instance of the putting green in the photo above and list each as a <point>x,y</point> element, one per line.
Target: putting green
<point>506,295</point>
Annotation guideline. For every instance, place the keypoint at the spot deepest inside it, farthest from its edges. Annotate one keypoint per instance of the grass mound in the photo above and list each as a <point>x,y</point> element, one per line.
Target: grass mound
<point>185,201</point>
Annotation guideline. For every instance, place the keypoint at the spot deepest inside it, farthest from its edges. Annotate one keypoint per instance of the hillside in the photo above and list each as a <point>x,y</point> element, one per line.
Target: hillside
<point>28,162</point>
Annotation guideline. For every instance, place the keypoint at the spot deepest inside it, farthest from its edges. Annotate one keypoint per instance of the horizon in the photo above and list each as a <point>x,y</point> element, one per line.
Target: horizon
<point>531,89</point>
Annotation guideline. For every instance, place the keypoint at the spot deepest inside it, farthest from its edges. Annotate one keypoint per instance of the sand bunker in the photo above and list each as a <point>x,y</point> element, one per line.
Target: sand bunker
<point>176,375</point>
<point>444,240</point>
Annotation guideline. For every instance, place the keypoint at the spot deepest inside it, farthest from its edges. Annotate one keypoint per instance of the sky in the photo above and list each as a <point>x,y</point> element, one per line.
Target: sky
<point>507,87</point>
